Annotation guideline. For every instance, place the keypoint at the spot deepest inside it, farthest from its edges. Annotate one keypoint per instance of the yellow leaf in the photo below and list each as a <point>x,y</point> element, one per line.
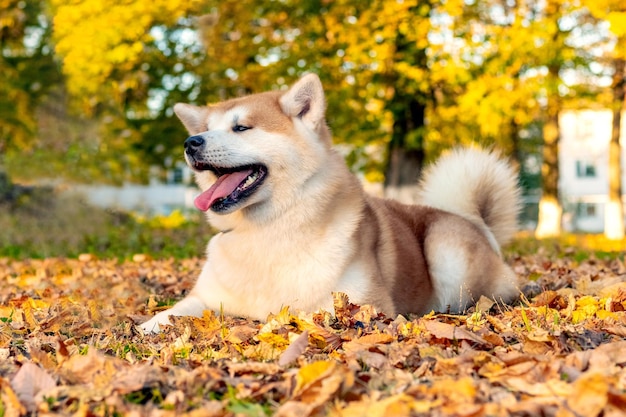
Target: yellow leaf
<point>318,382</point>
<point>587,300</point>
<point>11,404</point>
<point>397,405</point>
<point>603,314</point>
<point>273,339</point>
<point>312,372</point>
<point>525,319</point>
<point>94,310</point>
<point>590,394</point>
<point>461,390</point>
<point>29,316</point>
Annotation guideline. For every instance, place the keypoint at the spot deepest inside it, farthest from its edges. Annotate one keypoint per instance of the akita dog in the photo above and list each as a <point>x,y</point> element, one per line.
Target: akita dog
<point>295,225</point>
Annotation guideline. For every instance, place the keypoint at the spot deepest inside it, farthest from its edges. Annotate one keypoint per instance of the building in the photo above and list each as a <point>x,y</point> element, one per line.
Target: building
<point>155,198</point>
<point>583,167</point>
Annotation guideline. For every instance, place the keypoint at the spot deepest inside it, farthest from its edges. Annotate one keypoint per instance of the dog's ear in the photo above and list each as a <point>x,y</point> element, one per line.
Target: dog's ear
<point>305,99</point>
<point>193,117</point>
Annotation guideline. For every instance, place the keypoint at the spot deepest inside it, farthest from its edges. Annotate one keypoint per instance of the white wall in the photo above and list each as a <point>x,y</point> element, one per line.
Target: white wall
<point>149,199</point>
<point>585,137</point>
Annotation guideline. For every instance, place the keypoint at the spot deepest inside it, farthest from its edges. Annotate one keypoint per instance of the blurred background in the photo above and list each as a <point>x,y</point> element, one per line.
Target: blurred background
<point>91,154</point>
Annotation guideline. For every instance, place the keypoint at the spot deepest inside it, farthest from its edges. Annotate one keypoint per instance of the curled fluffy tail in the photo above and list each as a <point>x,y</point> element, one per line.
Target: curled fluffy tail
<point>478,185</point>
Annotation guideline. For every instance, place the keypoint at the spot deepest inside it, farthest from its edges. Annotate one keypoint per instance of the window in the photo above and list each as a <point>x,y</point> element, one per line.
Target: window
<point>177,175</point>
<point>586,210</point>
<point>585,169</point>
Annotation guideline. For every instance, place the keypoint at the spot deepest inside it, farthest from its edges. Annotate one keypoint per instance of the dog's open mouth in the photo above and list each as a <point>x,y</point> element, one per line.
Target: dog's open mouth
<point>233,185</point>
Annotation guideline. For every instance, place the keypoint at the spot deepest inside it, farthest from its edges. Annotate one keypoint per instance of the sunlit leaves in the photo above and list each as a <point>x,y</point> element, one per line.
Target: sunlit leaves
<point>102,43</point>
<point>28,71</point>
<point>68,342</point>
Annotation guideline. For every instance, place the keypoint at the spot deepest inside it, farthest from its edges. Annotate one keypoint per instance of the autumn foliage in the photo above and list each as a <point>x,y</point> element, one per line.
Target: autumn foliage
<point>69,345</point>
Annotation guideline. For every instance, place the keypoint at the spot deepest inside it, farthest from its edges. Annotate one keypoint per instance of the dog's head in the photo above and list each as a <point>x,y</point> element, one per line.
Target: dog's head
<point>253,154</point>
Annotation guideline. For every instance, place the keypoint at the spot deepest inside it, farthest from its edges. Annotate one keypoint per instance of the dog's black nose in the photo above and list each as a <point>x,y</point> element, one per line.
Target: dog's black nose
<point>193,143</point>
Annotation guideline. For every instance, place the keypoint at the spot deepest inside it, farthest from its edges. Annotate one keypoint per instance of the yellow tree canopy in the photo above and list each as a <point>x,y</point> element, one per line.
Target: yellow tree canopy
<point>103,41</point>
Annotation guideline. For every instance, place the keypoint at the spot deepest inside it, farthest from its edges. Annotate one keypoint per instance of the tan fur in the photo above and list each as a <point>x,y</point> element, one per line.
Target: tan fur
<point>310,229</point>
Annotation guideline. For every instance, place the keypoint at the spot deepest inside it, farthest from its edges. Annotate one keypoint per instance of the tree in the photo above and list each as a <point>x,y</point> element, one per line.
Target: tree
<point>614,211</point>
<point>556,54</point>
<point>401,81</point>
<point>29,73</point>
<point>125,65</point>
<point>371,56</point>
<point>496,97</point>
<point>614,12</point>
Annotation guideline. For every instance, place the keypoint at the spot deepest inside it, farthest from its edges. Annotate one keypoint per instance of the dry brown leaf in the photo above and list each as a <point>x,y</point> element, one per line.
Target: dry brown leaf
<point>484,304</point>
<point>433,365</point>
<point>372,359</point>
<point>493,338</point>
<point>599,358</point>
<point>616,329</point>
<point>241,334</point>
<point>396,406</point>
<point>529,386</point>
<point>609,354</point>
<point>28,382</point>
<point>294,409</point>
<point>94,369</point>
<point>136,378</point>
<point>295,349</point>
<point>450,332</point>
<point>367,341</point>
<point>236,368</point>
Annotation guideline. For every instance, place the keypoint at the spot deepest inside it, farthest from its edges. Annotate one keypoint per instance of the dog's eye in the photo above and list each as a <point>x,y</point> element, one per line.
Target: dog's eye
<point>240,128</point>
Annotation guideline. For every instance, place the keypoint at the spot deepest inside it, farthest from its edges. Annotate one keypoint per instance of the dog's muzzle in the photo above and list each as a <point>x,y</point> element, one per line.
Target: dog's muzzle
<point>193,144</point>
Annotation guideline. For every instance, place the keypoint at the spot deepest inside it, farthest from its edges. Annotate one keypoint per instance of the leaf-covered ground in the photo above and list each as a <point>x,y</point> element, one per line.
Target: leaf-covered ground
<point>69,345</point>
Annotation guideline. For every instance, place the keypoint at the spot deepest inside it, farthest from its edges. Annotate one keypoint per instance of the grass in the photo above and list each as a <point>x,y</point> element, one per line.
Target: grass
<point>577,246</point>
<point>46,224</point>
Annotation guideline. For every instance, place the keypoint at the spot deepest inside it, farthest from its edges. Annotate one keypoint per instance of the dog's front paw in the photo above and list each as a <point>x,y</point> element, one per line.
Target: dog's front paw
<point>153,325</point>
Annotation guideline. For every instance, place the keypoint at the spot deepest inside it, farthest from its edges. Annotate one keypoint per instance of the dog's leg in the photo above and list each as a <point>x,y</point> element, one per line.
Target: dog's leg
<point>188,306</point>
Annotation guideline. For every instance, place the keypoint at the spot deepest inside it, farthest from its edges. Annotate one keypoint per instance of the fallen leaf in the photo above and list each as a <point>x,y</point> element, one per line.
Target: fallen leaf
<point>29,381</point>
<point>137,378</point>
<point>294,409</point>
<point>318,382</point>
<point>253,367</point>
<point>537,359</point>
<point>447,331</point>
<point>589,394</point>
<point>484,304</point>
<point>600,357</point>
<point>313,372</point>
<point>395,406</point>
<point>295,349</point>
<point>241,334</point>
<point>372,359</point>
<point>607,355</point>
<point>9,401</point>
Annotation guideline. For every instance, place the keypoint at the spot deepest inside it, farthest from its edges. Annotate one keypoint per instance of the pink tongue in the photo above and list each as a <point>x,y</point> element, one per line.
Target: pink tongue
<point>225,185</point>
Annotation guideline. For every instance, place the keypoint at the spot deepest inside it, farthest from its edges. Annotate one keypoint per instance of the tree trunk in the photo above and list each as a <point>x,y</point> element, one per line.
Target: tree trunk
<point>405,162</point>
<point>405,152</point>
<point>614,209</point>
<point>550,211</point>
